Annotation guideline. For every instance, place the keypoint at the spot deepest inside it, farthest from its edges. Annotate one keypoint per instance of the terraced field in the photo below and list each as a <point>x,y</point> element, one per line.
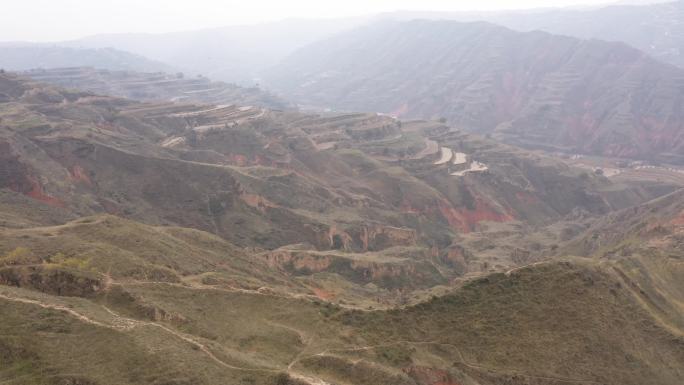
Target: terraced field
<point>155,86</point>
<point>533,89</point>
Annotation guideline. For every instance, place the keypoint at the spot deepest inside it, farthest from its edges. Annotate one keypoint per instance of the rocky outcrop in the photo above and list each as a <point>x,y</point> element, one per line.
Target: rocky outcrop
<point>50,280</point>
<point>383,237</point>
<point>357,268</point>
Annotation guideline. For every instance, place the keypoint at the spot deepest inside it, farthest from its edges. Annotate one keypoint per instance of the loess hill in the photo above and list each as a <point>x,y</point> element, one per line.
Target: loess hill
<point>532,89</point>
<point>181,243</point>
<point>155,86</point>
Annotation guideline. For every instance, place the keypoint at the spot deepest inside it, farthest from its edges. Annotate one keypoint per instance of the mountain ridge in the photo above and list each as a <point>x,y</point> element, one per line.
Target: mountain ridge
<point>584,96</point>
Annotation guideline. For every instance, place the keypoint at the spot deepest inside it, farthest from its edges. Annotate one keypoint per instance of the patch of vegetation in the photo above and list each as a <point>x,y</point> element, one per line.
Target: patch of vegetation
<point>534,321</point>
<point>19,256</point>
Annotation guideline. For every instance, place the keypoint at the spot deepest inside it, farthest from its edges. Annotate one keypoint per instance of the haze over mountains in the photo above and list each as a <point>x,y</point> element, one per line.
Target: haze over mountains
<point>155,86</point>
<point>533,89</point>
<point>549,91</point>
<point>240,54</point>
<point>22,57</point>
<point>235,54</point>
<point>656,29</point>
<point>398,201</point>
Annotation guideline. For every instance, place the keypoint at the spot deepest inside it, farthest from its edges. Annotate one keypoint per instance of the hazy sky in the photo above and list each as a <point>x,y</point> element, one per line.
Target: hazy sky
<point>51,20</point>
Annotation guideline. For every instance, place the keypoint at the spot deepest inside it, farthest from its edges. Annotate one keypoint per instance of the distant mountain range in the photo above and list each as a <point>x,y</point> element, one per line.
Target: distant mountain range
<point>240,54</point>
<point>26,56</point>
<point>657,29</point>
<point>533,89</point>
<point>234,53</point>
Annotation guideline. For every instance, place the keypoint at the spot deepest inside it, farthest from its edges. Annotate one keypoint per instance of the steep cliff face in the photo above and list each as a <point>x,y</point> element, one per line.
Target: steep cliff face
<point>532,89</point>
<point>381,270</point>
<point>50,280</point>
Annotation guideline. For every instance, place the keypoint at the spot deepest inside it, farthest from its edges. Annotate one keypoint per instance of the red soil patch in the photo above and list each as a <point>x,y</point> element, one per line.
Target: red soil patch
<point>678,220</point>
<point>257,201</point>
<point>323,294</point>
<point>78,174</point>
<point>16,176</point>
<point>466,220</point>
<point>38,193</point>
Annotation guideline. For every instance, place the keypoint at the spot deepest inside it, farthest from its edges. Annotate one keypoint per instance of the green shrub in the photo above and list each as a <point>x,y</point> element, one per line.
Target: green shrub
<point>19,256</point>
<point>72,262</point>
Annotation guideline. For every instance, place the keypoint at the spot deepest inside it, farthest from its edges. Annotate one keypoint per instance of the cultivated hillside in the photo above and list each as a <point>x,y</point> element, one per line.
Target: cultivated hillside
<point>93,154</point>
<point>532,89</point>
<point>179,243</point>
<point>156,86</point>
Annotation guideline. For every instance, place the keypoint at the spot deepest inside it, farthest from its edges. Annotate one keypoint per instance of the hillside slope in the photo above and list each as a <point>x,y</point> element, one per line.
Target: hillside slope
<point>532,89</point>
<point>359,196</point>
<point>22,57</point>
<point>178,243</point>
<point>88,153</point>
<point>657,29</point>
<point>546,325</point>
<point>155,86</point>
